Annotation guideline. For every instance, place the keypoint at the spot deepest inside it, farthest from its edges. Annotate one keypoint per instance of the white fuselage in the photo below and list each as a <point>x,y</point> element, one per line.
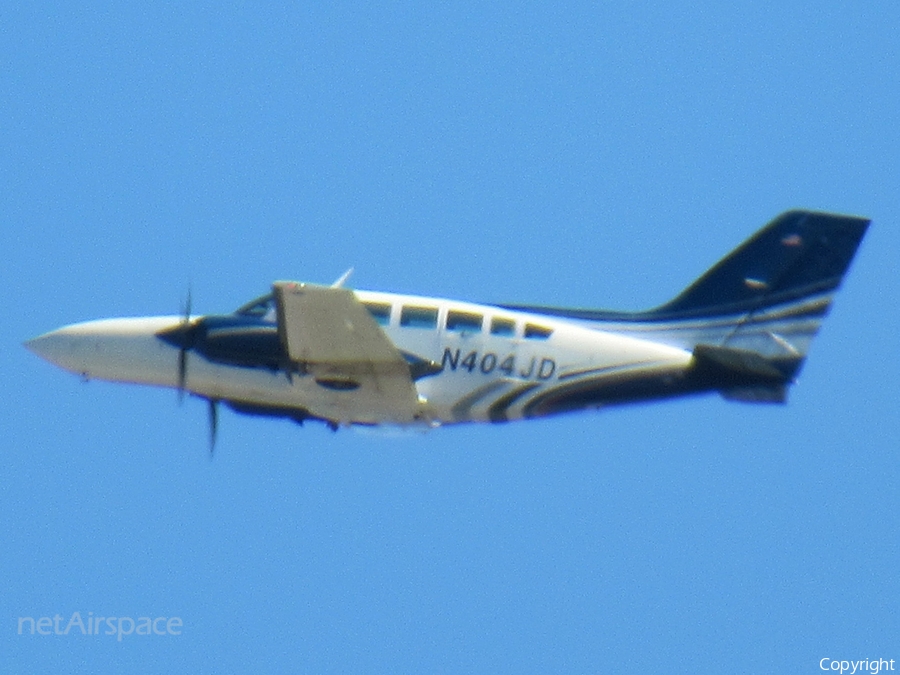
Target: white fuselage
<point>496,362</point>
<point>307,351</point>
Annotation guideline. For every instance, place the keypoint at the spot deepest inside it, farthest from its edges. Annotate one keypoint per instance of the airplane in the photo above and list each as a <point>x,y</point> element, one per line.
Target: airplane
<point>351,357</point>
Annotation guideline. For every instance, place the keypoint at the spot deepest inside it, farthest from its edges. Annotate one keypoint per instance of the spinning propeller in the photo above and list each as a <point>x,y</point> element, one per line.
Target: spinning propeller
<point>213,407</point>
<point>184,336</point>
<point>188,333</point>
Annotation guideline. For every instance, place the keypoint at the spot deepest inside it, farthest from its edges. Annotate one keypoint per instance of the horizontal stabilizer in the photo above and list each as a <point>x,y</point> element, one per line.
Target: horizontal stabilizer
<point>776,393</point>
<point>736,362</point>
<point>742,375</point>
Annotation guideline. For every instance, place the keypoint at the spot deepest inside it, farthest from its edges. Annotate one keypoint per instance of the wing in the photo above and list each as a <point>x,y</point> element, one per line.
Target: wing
<point>330,335</point>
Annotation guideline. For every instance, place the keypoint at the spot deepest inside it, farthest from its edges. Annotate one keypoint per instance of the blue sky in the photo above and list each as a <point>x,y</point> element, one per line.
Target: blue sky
<point>596,155</point>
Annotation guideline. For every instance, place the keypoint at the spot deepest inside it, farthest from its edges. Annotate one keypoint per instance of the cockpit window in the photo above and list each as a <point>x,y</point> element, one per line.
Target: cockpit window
<point>533,332</point>
<point>464,321</point>
<point>263,307</point>
<point>419,317</point>
<point>380,311</point>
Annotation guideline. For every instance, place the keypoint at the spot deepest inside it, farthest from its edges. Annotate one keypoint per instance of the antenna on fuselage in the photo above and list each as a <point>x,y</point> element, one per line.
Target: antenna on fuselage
<point>340,282</point>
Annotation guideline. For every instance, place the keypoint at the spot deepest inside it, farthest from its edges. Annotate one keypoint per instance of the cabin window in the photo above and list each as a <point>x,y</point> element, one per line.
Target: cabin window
<point>464,321</point>
<point>419,317</point>
<point>534,332</point>
<point>380,311</point>
<point>503,327</point>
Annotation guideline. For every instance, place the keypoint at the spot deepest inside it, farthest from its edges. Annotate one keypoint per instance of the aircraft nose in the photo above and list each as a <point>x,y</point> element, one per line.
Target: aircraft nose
<point>51,346</point>
<point>125,350</point>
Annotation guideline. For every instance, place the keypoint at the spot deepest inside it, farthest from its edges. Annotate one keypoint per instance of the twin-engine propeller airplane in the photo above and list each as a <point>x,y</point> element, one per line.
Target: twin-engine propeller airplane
<point>343,357</point>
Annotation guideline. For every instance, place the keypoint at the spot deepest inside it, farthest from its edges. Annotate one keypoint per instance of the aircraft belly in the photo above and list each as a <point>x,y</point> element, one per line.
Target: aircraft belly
<point>274,388</point>
<point>475,385</point>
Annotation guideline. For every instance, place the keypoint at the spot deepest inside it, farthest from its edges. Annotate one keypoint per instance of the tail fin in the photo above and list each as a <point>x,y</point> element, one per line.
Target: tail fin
<point>751,318</point>
<point>755,313</point>
<point>797,255</point>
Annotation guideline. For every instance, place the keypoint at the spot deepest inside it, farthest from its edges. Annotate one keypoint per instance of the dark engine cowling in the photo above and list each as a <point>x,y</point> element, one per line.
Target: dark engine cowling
<point>231,340</point>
